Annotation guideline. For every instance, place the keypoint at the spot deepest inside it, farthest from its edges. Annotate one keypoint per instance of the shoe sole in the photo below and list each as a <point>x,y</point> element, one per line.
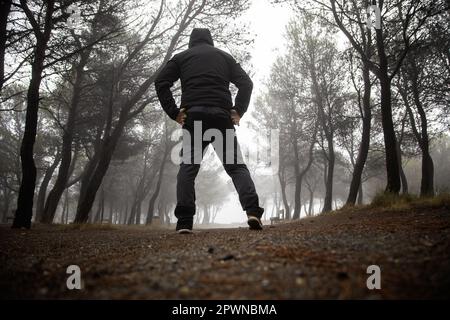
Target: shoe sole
<point>184,231</point>
<point>254,223</point>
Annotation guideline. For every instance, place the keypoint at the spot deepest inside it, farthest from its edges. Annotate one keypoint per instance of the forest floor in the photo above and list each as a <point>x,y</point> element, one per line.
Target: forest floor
<point>321,257</point>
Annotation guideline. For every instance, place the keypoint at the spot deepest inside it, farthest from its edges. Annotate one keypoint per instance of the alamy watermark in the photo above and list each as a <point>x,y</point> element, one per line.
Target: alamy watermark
<point>263,153</point>
<point>374,280</point>
<point>74,280</point>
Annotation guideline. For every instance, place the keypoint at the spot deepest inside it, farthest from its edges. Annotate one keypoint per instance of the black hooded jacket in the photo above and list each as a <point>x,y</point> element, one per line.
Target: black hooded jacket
<point>205,73</point>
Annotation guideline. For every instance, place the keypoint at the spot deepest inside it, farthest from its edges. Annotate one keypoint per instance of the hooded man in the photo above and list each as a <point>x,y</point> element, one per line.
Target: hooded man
<point>207,107</point>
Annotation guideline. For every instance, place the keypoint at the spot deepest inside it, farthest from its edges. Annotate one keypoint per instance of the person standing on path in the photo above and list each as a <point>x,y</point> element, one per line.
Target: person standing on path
<point>206,111</point>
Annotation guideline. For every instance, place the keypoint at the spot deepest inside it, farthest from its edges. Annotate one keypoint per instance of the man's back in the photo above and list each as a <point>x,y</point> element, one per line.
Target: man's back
<point>205,73</point>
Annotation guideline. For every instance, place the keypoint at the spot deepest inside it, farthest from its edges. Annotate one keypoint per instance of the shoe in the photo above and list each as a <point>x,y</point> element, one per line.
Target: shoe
<point>184,225</point>
<point>184,231</point>
<point>254,223</point>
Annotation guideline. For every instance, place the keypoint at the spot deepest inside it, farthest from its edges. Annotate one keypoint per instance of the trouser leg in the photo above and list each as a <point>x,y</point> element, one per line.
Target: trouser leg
<point>240,175</point>
<point>186,190</point>
<point>191,154</point>
<point>245,187</point>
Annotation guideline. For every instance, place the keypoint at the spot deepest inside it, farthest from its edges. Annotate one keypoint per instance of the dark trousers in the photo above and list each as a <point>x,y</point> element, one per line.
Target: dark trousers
<point>214,122</point>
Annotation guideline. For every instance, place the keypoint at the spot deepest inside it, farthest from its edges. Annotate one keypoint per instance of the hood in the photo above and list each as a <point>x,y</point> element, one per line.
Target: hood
<point>200,36</point>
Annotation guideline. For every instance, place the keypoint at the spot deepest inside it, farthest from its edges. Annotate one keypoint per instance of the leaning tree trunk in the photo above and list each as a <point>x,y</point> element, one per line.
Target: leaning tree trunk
<point>85,203</point>
<point>137,219</point>
<point>131,219</point>
<point>102,158</point>
<point>355,184</point>
<point>24,211</point>
<point>63,174</point>
<point>403,179</point>
<point>151,204</point>
<point>427,182</point>
<point>66,205</point>
<point>93,181</point>
<point>6,204</point>
<point>43,188</point>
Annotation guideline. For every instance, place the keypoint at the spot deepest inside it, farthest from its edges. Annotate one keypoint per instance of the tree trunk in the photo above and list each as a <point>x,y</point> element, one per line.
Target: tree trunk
<point>300,174</point>
<point>132,217</point>
<point>66,202</point>
<point>63,174</point>
<point>360,194</point>
<point>355,184</point>
<point>206,215</point>
<point>298,178</point>
<point>311,203</point>
<point>137,219</point>
<point>65,210</point>
<point>287,214</point>
<point>151,203</point>
<point>167,215</point>
<point>102,206</point>
<point>427,182</point>
<point>297,197</point>
<point>111,212</point>
<point>392,169</point>
<point>85,202</point>
<point>403,179</point>
<point>125,215</point>
<point>327,203</point>
<point>160,212</point>
<point>110,141</point>
<point>96,216</point>
<point>24,210</point>
<point>6,204</point>
<point>43,188</point>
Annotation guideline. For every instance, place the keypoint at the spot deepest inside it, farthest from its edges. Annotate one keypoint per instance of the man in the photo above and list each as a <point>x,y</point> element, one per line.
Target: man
<point>206,104</point>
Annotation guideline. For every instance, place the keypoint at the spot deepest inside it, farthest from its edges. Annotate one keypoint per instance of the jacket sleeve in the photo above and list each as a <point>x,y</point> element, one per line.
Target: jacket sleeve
<point>164,81</point>
<point>245,86</point>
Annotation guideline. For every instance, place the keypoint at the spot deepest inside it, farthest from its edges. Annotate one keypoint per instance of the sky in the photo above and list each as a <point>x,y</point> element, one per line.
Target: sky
<point>268,23</point>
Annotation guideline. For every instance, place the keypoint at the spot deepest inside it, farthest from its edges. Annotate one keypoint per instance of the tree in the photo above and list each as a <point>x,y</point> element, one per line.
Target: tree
<point>24,210</point>
<point>166,148</point>
<point>393,41</point>
<point>420,85</point>
<point>5,8</point>
<point>321,67</point>
<point>100,29</point>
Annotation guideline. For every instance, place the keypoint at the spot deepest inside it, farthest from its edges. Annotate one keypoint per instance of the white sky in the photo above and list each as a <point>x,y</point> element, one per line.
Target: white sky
<point>268,23</point>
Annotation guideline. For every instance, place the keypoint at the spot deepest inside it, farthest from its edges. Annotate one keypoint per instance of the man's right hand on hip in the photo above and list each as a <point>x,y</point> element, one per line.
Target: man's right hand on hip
<point>181,117</point>
<point>235,117</point>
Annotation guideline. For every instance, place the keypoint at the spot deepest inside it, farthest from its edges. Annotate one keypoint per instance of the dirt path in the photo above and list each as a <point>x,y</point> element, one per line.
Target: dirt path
<point>322,257</point>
